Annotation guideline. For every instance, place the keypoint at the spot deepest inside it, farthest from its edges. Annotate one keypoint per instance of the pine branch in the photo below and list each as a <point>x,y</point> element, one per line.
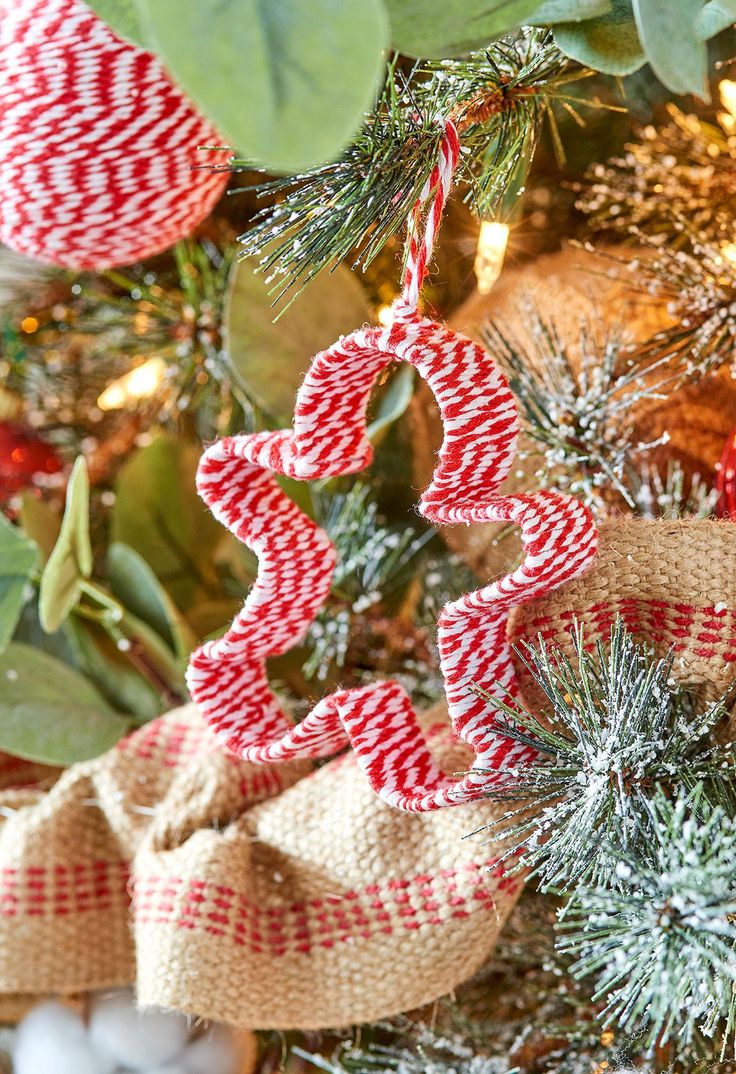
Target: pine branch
<point>662,938</point>
<point>698,285</point>
<point>617,728</point>
<point>684,169</point>
<point>352,207</point>
<point>578,405</point>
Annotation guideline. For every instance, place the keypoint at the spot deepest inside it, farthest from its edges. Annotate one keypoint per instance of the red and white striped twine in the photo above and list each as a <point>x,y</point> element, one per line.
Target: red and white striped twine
<point>227,677</point>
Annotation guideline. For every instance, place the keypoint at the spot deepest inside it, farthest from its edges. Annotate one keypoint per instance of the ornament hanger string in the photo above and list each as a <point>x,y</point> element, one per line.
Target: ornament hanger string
<point>424,220</point>
<point>228,678</point>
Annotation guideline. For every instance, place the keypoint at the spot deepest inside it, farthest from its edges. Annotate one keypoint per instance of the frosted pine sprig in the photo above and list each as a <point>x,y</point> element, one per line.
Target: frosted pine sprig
<point>661,939</point>
<point>616,728</point>
<point>499,99</point>
<point>420,1050</point>
<point>577,407</point>
<point>670,495</point>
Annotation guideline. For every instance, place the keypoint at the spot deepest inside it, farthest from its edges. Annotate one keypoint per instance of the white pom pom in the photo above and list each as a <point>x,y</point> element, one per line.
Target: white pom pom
<point>45,1055</point>
<point>216,1052</point>
<point>170,1068</point>
<point>133,1038</point>
<point>52,1019</point>
<point>52,1039</point>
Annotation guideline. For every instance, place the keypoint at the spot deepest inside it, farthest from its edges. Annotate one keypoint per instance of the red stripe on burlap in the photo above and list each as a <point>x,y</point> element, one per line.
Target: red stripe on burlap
<point>60,890</point>
<point>401,904</point>
<point>704,631</point>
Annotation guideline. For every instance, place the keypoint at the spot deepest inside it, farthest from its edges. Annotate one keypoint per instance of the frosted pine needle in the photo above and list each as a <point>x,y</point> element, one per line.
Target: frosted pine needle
<point>419,1050</point>
<point>616,727</point>
<point>577,406</point>
<point>350,208</point>
<point>662,939</point>
<point>671,496</point>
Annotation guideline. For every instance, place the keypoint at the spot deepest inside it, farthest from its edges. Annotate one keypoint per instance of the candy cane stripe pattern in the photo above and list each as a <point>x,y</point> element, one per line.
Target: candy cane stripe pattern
<point>98,147</point>
<point>227,677</point>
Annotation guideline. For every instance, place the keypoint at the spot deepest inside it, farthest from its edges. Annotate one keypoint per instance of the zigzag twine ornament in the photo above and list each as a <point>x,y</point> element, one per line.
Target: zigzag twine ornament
<point>227,677</point>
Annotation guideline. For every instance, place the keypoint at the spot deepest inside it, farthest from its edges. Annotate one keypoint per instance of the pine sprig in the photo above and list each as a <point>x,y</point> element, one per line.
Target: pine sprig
<point>662,939</point>
<point>617,728</point>
<point>577,406</point>
<point>415,1049</point>
<point>685,169</point>
<point>352,207</point>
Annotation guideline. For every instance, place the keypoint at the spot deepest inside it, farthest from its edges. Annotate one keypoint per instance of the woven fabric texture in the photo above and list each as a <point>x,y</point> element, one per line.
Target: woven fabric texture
<point>264,897</point>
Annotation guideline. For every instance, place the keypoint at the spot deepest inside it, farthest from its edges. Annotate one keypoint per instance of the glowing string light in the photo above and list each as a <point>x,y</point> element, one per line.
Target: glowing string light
<point>142,381</point>
<point>727,92</point>
<point>492,242</point>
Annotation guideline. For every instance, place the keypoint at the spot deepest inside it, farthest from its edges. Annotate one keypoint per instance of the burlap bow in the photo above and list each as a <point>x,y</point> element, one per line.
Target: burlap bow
<point>282,896</point>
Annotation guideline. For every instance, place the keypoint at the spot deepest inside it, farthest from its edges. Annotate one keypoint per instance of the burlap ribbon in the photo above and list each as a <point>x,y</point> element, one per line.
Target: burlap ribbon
<point>266,897</point>
<point>281,896</point>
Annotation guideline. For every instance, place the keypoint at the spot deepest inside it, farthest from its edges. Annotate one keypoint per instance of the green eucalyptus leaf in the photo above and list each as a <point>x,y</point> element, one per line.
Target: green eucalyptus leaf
<point>269,359</point>
<point>18,559</point>
<point>212,618</point>
<point>569,11</point>
<point>123,17</point>
<point>452,27</point>
<point>71,560</point>
<point>136,586</point>
<point>111,672</point>
<point>287,82</point>
<point>609,43</point>
<point>667,29</point>
<point>41,523</point>
<point>392,401</point>
<point>51,713</point>
<point>714,17</point>
<point>59,645</point>
<point>159,515</point>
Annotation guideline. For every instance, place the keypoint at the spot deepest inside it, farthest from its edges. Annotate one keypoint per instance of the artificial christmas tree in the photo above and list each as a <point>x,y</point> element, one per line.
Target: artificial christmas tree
<point>415,753</point>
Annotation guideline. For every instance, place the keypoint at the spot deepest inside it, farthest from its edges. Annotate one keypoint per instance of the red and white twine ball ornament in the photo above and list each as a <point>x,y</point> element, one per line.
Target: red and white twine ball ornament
<point>227,677</point>
<point>98,147</point>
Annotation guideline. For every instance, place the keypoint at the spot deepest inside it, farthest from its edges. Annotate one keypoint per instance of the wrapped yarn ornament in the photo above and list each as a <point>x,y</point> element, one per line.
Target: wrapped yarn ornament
<point>227,678</point>
<point>98,147</point>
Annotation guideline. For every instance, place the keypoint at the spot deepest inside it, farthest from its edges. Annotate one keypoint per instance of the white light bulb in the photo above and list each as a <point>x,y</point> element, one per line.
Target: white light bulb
<point>142,381</point>
<point>489,257</point>
<point>727,91</point>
